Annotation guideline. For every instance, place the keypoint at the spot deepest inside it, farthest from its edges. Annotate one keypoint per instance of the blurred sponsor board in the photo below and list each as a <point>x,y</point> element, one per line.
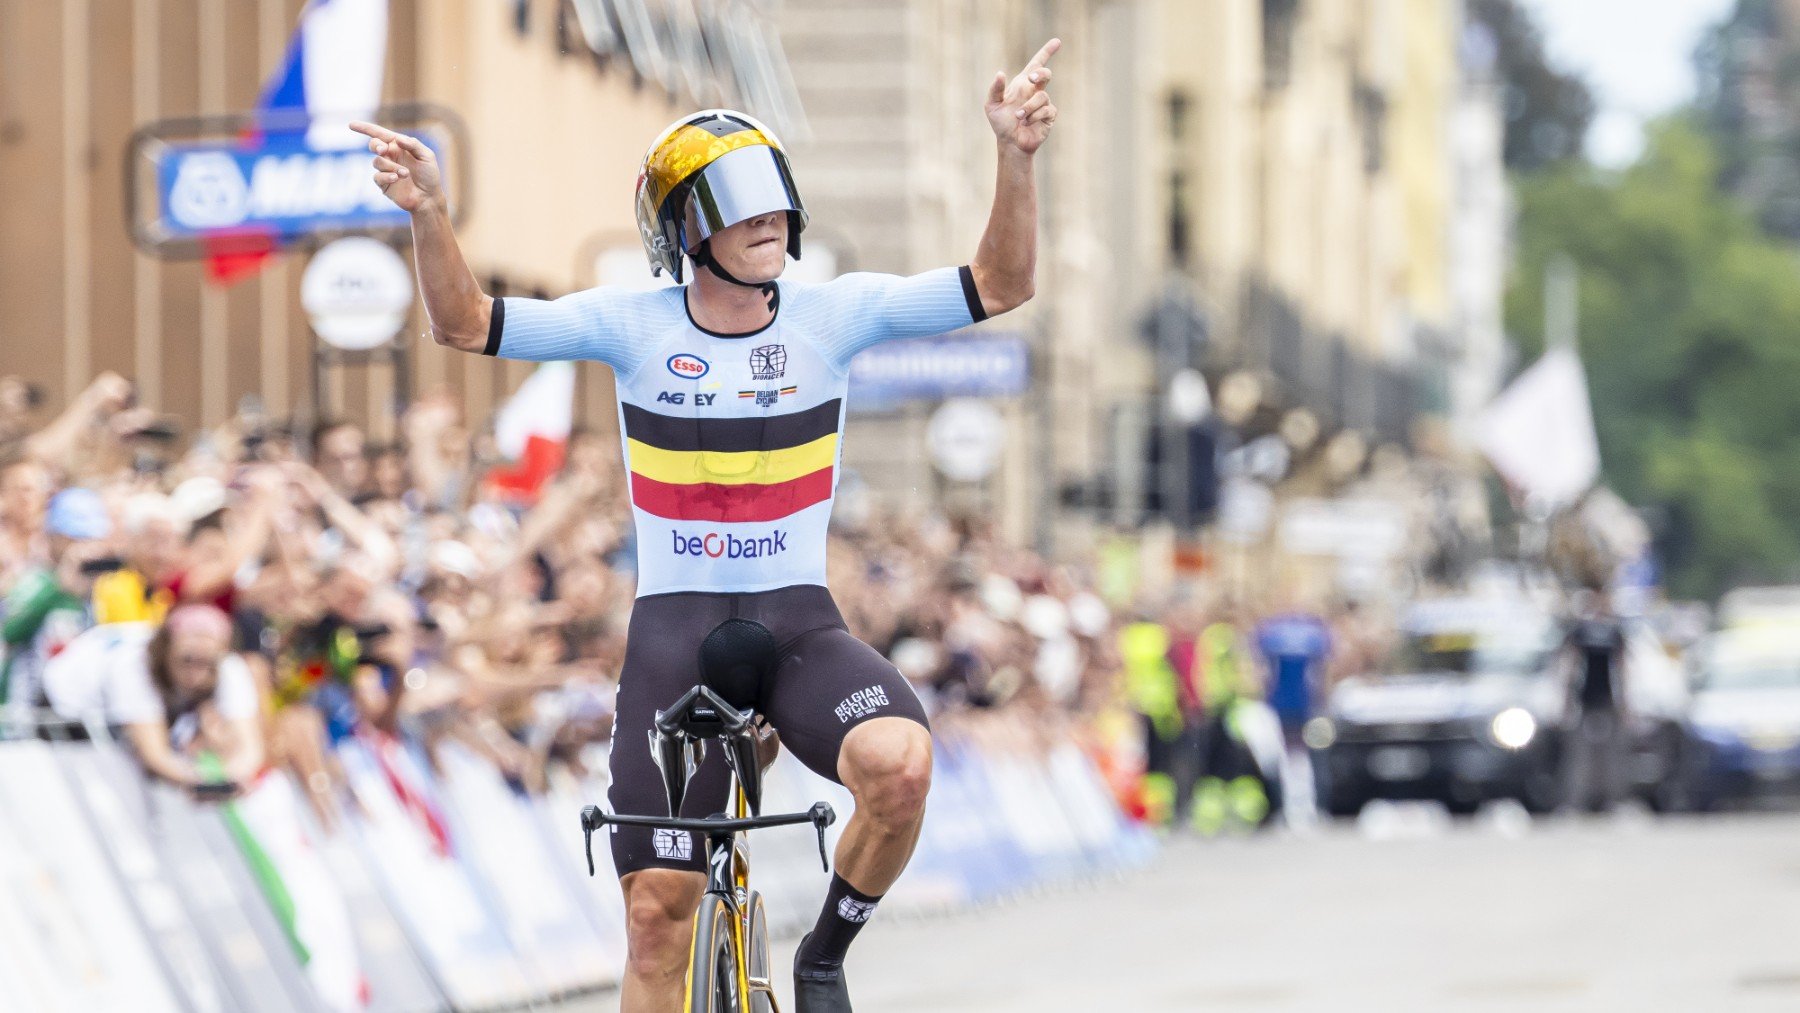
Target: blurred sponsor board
<point>887,376</point>
<point>201,180</point>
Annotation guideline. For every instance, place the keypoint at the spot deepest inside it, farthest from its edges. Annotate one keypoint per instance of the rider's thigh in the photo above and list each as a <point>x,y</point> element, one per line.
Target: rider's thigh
<point>827,684</point>
<point>661,663</point>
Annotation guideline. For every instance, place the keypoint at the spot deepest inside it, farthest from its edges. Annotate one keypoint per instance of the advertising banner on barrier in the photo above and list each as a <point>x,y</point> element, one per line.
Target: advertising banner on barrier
<point>267,973</point>
<point>401,836</point>
<point>116,799</point>
<point>270,837</point>
<point>447,891</point>
<point>67,939</point>
<point>496,836</point>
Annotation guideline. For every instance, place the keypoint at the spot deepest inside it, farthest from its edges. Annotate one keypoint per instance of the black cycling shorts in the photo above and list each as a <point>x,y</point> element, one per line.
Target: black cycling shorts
<point>825,682</point>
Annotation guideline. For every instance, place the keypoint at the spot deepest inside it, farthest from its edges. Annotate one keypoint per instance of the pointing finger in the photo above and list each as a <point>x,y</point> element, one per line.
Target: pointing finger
<point>372,130</point>
<point>1043,55</point>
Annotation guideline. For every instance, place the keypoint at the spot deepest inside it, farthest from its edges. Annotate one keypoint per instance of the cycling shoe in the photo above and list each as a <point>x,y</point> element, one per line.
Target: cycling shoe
<point>817,991</point>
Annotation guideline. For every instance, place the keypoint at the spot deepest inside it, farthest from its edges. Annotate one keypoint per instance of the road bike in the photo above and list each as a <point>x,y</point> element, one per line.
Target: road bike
<point>728,958</point>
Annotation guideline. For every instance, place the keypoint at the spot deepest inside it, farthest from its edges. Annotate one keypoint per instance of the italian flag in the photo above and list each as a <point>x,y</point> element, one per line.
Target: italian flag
<point>267,827</point>
<point>532,430</point>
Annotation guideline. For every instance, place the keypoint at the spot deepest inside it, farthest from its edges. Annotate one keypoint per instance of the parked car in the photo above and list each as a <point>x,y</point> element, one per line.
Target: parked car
<point>1469,708</point>
<point>1743,731</point>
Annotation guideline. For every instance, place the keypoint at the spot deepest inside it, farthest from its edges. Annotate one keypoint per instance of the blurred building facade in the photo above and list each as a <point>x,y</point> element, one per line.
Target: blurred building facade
<point>557,100</point>
<point>1302,201</point>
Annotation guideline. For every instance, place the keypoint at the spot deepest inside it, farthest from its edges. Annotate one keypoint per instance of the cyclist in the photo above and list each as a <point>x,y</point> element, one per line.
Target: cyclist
<point>731,391</point>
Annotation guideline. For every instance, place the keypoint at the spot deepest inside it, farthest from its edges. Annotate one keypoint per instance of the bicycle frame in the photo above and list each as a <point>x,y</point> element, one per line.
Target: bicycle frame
<point>727,846</point>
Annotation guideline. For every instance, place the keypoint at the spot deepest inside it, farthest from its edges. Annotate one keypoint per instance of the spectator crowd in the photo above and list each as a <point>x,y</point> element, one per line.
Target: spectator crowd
<point>256,593</point>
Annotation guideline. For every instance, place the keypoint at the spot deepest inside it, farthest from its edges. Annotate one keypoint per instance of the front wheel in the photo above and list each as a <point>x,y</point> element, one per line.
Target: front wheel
<point>756,945</point>
<point>713,984</point>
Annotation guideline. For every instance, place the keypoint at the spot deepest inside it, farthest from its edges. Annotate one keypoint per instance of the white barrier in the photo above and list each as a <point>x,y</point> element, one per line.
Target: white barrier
<point>439,890</point>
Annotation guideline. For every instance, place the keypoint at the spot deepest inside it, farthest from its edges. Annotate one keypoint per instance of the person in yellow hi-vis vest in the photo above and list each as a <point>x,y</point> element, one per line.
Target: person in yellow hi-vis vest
<point>1150,684</point>
<point>1230,790</point>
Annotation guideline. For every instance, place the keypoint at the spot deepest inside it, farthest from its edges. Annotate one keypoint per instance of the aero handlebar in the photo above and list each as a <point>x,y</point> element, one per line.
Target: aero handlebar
<point>821,815</point>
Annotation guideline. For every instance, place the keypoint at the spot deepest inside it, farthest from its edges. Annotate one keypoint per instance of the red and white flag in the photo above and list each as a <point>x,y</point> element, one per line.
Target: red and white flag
<point>532,431</point>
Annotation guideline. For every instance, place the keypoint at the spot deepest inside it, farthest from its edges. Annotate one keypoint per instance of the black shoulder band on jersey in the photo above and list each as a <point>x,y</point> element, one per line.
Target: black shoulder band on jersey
<point>496,325</point>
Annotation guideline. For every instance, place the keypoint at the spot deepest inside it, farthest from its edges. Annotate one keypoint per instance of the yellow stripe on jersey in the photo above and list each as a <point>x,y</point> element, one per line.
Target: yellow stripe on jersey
<point>757,467</point>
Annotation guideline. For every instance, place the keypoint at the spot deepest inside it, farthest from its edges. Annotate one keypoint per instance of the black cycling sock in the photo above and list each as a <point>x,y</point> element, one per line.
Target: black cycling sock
<point>846,910</point>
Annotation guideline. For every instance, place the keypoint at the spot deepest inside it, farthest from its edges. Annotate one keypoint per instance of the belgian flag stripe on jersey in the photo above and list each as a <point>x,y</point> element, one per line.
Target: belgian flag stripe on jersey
<point>731,470</point>
<point>729,504</point>
<point>746,467</point>
<point>761,432</point>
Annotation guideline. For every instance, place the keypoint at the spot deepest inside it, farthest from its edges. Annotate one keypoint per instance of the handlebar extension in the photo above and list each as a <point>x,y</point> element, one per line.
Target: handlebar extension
<point>821,815</point>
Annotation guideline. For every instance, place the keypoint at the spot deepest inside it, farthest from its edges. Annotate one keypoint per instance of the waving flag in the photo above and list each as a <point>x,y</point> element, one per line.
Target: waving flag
<point>533,431</point>
<point>333,70</point>
<point>332,75</point>
<point>1539,433</point>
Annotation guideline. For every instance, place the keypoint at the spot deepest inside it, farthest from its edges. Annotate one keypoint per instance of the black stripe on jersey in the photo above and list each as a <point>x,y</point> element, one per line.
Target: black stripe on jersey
<point>496,326</point>
<point>727,436</point>
<point>977,312</point>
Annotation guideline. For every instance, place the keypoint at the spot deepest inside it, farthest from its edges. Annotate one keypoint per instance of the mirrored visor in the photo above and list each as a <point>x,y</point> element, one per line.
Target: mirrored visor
<point>738,186</point>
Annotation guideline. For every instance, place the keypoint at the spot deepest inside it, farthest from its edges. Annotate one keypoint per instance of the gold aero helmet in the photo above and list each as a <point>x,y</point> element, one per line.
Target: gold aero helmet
<point>707,172</point>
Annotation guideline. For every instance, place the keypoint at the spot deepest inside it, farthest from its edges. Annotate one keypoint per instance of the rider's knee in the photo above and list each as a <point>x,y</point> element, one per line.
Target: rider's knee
<point>659,904</point>
<point>887,765</point>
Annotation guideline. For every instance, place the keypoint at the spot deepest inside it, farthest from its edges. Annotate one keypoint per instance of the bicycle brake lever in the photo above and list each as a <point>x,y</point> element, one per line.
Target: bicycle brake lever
<point>590,820</point>
<point>822,816</point>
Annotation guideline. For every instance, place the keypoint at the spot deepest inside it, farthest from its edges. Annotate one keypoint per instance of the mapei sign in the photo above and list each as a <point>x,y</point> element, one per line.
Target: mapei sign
<point>275,184</point>
<point>194,180</point>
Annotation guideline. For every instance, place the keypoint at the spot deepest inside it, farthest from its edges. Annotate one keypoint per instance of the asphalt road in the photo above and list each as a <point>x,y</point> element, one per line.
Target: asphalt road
<point>1404,911</point>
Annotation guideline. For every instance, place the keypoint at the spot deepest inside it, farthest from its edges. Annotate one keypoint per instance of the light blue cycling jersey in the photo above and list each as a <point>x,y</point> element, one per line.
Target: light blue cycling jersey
<point>731,441</point>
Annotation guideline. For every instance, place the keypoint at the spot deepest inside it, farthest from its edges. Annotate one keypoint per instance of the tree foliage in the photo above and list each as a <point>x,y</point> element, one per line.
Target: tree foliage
<point>1748,67</point>
<point>1690,332</point>
<point>1547,110</point>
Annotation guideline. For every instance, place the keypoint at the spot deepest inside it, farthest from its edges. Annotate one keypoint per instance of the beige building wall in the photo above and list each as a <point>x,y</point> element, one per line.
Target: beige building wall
<point>556,136</point>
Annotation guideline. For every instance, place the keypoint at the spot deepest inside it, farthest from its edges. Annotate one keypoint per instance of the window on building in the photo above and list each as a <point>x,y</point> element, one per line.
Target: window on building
<point>1371,116</point>
<point>1179,104</point>
<point>1279,17</point>
<point>1181,132</point>
<point>1180,219</point>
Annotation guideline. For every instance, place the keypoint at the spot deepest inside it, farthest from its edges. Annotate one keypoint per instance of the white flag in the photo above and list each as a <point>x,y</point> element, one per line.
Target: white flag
<point>1539,433</point>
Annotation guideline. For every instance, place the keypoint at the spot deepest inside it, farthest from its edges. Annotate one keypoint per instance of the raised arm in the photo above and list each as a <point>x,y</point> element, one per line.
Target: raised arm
<point>1020,111</point>
<point>407,171</point>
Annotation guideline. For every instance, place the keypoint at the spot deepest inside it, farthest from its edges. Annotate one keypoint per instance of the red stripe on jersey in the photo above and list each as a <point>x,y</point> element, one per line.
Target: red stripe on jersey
<point>730,504</point>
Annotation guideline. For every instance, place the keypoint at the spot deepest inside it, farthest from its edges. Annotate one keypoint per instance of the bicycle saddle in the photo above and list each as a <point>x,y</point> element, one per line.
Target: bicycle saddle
<point>734,659</point>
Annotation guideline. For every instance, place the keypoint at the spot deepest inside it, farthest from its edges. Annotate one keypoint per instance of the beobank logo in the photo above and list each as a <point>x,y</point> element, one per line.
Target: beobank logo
<point>719,545</point>
<point>688,367</point>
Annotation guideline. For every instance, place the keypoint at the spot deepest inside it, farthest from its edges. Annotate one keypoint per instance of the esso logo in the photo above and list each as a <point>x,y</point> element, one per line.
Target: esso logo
<point>688,367</point>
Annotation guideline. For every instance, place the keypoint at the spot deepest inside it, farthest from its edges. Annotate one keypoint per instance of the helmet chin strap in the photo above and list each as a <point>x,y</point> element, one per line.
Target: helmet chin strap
<point>702,257</point>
